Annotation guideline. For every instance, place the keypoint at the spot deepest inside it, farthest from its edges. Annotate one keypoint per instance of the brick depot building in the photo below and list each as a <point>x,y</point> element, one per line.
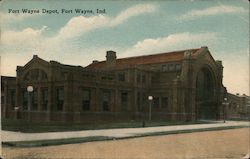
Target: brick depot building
<point>185,85</point>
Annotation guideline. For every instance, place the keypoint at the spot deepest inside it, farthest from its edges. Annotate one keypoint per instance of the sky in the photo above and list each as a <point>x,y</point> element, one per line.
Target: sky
<point>130,28</point>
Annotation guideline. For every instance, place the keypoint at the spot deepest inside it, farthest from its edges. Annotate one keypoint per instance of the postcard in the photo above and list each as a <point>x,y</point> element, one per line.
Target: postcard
<point>124,79</point>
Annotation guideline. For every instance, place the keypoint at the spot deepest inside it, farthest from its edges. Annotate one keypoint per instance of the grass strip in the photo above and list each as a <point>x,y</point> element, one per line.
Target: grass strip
<point>189,131</point>
<point>26,127</point>
<point>39,143</point>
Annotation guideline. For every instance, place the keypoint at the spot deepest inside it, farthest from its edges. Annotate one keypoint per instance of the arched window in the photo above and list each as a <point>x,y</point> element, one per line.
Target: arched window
<point>43,75</point>
<point>27,76</point>
<point>204,85</point>
<point>35,74</point>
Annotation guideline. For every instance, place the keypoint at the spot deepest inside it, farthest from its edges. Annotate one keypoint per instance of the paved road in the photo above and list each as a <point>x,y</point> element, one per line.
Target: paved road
<point>8,136</point>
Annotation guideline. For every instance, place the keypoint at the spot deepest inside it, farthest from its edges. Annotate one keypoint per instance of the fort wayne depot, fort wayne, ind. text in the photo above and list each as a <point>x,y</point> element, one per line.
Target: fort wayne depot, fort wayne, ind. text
<point>56,11</point>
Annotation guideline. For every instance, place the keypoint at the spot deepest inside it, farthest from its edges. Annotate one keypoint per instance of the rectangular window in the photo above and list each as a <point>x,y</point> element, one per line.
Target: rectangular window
<point>144,100</point>
<point>65,75</point>
<point>85,100</point>
<point>59,98</point>
<point>124,100</point>
<point>164,67</point>
<point>34,105</point>
<point>121,77</point>
<point>171,67</point>
<point>12,98</point>
<point>25,100</point>
<point>156,102</point>
<point>110,78</point>
<point>143,78</point>
<point>106,98</point>
<point>139,105</point>
<point>178,67</point>
<point>164,102</point>
<point>138,79</point>
<point>107,78</point>
<point>44,93</point>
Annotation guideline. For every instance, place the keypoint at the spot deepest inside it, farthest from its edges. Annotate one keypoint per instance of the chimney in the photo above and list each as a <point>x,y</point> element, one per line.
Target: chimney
<point>110,58</point>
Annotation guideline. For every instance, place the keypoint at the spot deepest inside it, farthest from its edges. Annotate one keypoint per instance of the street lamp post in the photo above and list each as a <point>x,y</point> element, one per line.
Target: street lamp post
<point>225,103</point>
<point>16,111</point>
<point>150,98</point>
<point>30,90</point>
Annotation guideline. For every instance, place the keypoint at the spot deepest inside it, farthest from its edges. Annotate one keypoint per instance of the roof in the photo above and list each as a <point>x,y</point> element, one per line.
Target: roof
<point>144,60</point>
<point>51,62</point>
<point>8,77</point>
<point>238,95</point>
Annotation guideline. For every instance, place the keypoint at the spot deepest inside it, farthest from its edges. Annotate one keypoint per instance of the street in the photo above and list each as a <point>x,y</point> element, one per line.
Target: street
<point>231,143</point>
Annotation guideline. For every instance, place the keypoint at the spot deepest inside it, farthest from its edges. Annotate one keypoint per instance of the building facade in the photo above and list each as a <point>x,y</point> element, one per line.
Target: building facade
<point>185,85</point>
<point>237,106</point>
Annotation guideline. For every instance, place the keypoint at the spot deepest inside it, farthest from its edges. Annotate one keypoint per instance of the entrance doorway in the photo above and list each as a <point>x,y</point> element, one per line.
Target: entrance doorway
<point>205,95</point>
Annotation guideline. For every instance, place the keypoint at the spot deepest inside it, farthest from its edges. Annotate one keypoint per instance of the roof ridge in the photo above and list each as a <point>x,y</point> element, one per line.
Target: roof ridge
<point>177,51</point>
<point>155,54</point>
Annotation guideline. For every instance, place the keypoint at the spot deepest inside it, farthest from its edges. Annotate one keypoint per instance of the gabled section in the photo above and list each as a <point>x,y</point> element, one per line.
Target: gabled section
<point>204,53</point>
<point>35,65</point>
<point>34,62</point>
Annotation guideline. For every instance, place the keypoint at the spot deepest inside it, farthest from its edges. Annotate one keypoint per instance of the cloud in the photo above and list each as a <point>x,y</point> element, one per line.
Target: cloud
<point>18,47</point>
<point>25,36</point>
<point>171,42</point>
<point>75,27</point>
<point>80,24</point>
<point>22,42</point>
<point>131,12</point>
<point>10,18</point>
<point>33,40</point>
<point>223,9</point>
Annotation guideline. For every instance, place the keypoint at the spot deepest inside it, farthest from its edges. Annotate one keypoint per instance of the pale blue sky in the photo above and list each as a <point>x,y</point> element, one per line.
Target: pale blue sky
<point>130,28</point>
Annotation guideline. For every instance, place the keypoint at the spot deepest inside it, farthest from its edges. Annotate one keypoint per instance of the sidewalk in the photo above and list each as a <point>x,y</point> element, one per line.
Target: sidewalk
<point>9,136</point>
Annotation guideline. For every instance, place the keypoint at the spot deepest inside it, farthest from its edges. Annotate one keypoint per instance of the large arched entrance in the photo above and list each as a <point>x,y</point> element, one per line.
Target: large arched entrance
<point>205,95</point>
